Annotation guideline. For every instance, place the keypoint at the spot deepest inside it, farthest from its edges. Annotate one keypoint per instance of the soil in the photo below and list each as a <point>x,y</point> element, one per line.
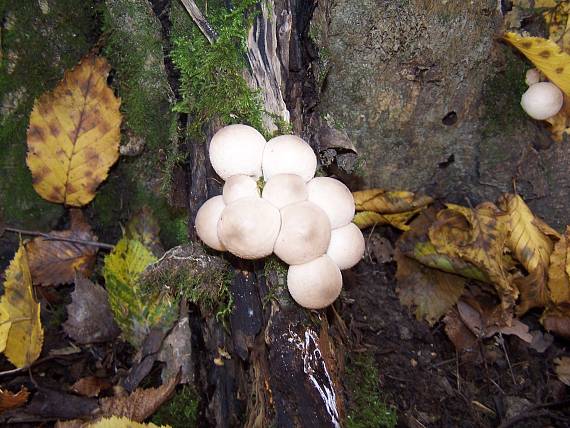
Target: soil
<point>423,376</point>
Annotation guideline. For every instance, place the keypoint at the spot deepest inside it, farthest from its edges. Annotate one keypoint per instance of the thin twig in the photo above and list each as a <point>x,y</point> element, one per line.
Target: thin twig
<point>502,341</point>
<point>200,20</point>
<point>35,363</point>
<point>49,237</point>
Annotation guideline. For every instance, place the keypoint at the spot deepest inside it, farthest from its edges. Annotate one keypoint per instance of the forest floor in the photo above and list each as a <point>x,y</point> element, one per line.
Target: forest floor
<point>426,380</point>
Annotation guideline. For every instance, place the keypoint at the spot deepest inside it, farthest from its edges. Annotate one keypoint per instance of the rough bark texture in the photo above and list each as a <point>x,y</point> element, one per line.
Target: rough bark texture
<point>431,100</point>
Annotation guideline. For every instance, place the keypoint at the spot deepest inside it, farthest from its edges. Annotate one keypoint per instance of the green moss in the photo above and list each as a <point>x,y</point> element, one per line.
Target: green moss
<point>181,411</point>
<point>367,408</point>
<point>211,75</point>
<point>37,45</point>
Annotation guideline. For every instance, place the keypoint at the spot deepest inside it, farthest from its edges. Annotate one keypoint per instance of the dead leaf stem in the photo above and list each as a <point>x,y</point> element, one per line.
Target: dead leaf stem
<point>49,237</point>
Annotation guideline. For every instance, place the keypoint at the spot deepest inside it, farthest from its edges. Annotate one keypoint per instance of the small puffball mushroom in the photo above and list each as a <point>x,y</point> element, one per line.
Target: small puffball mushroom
<point>334,198</point>
<point>237,149</point>
<point>532,76</point>
<point>249,227</point>
<point>542,100</point>
<point>347,246</point>
<point>285,189</point>
<point>316,284</point>
<point>206,223</point>
<point>305,233</point>
<point>288,154</point>
<point>238,187</point>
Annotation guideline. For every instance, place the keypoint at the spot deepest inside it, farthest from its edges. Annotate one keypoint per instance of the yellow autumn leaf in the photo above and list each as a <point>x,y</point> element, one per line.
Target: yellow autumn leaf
<point>366,219</point>
<point>389,202</point>
<point>559,271</point>
<point>122,422</point>
<point>478,237</point>
<point>73,136</point>
<point>19,307</point>
<point>556,17</point>
<point>547,56</point>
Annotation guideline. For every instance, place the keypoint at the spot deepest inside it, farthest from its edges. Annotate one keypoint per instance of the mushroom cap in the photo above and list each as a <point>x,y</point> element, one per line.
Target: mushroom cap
<point>239,186</point>
<point>305,233</point>
<point>249,227</point>
<point>334,198</point>
<point>347,246</point>
<point>532,76</point>
<point>206,222</point>
<point>237,149</point>
<point>285,189</point>
<point>288,154</point>
<point>316,284</point>
<point>542,100</point>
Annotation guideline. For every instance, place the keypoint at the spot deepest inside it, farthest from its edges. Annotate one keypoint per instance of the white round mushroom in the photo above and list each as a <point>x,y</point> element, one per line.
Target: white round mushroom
<point>284,189</point>
<point>237,149</point>
<point>305,233</point>
<point>288,154</point>
<point>206,222</point>
<point>347,246</point>
<point>532,76</point>
<point>334,198</point>
<point>238,187</point>
<point>542,100</point>
<point>249,227</point>
<point>316,284</point>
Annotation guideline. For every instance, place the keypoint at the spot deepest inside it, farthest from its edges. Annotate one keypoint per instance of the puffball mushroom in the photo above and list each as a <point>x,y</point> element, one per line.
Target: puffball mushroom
<point>305,233</point>
<point>316,284</point>
<point>347,246</point>
<point>249,228</point>
<point>542,100</point>
<point>334,198</point>
<point>238,187</point>
<point>237,149</point>
<point>206,223</point>
<point>532,76</point>
<point>288,154</point>
<point>284,189</point>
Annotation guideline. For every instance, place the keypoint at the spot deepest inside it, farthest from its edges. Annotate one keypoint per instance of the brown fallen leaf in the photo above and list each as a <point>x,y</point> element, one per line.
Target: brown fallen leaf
<point>430,291</point>
<point>10,400</point>
<point>55,262</point>
<point>74,133</point>
<point>139,405</point>
<point>89,315</point>
<point>559,271</point>
<point>90,386</point>
<point>462,338</point>
<point>557,320</point>
<point>532,247</point>
<point>562,369</point>
<point>389,202</point>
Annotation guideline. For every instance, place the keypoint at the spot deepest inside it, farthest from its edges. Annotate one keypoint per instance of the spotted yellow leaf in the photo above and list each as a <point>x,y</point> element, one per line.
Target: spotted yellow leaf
<point>559,271</point>
<point>73,136</point>
<point>366,219</point>
<point>388,202</point>
<point>547,56</point>
<point>123,422</point>
<point>19,308</point>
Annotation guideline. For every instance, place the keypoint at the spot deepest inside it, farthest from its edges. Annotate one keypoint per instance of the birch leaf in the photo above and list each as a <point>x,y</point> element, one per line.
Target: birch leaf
<point>546,56</point>
<point>19,307</point>
<point>73,137</point>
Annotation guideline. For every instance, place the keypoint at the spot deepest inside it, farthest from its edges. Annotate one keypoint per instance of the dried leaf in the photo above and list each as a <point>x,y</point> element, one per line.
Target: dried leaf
<point>531,247</point>
<point>122,422</point>
<point>73,137</point>
<point>559,271</point>
<point>136,311</point>
<point>562,369</point>
<point>90,386</point>
<point>557,320</point>
<point>461,337</point>
<point>556,16</point>
<point>546,56</point>
<point>430,291</point>
<point>89,316</point>
<point>389,202</point>
<point>366,219</point>
<point>478,237</point>
<point>140,404</point>
<point>19,308</point>
<point>55,262</point>
<point>176,352</point>
<point>9,400</point>
<point>144,227</point>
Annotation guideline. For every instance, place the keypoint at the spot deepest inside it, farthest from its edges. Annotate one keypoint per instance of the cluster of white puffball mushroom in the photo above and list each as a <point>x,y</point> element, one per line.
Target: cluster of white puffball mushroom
<point>542,100</point>
<point>305,220</point>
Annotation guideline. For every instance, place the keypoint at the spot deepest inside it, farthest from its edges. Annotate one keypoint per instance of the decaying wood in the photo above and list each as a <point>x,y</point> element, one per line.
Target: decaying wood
<point>200,20</point>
